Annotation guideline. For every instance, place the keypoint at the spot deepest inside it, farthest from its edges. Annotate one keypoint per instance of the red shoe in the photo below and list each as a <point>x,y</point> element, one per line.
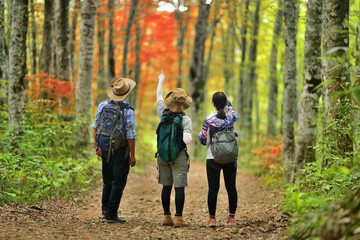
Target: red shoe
<point>211,222</point>
<point>230,221</point>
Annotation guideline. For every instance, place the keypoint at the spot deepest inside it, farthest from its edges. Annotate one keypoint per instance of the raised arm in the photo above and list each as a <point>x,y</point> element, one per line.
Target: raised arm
<point>159,93</point>
<point>160,106</point>
<point>231,111</point>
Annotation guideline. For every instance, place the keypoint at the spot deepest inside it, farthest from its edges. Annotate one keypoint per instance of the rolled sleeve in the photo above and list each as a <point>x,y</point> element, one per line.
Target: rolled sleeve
<point>130,124</point>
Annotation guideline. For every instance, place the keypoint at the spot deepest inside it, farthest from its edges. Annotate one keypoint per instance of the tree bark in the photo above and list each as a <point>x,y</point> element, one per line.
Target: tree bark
<point>73,33</point>
<point>179,17</point>
<point>339,140</point>
<point>309,99</point>
<point>110,55</point>
<point>45,60</point>
<point>290,86</point>
<point>250,83</point>
<point>63,58</point>
<point>33,43</point>
<point>101,81</point>
<point>241,89</point>
<point>4,58</point>
<point>129,23</point>
<point>196,78</point>
<point>17,61</point>
<point>133,97</point>
<point>272,114</point>
<point>85,74</point>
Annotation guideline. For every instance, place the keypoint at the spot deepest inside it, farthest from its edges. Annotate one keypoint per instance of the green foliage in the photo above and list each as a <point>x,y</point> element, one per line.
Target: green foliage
<point>43,163</point>
<point>334,174</point>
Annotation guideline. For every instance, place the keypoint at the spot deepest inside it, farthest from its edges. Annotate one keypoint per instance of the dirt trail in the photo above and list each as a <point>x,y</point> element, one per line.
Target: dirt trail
<point>258,213</point>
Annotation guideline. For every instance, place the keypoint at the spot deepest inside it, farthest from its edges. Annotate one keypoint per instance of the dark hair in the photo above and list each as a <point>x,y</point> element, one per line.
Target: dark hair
<point>219,99</point>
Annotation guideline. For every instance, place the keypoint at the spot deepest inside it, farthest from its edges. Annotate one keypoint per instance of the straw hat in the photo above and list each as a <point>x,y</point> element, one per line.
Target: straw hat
<point>119,88</point>
<point>178,100</point>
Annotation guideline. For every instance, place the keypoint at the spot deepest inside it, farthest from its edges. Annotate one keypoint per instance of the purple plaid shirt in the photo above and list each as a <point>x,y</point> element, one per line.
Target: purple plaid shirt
<point>215,124</point>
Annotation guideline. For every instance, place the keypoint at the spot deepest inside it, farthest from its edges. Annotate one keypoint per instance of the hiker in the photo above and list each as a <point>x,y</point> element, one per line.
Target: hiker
<point>173,162</point>
<point>213,124</point>
<point>114,137</point>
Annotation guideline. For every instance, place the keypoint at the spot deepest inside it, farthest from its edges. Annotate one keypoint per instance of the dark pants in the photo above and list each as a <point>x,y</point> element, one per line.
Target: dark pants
<point>179,199</point>
<point>114,174</point>
<point>213,170</point>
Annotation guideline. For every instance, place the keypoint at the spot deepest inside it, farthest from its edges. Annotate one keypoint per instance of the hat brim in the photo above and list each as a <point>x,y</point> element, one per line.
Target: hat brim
<point>176,107</point>
<point>110,93</point>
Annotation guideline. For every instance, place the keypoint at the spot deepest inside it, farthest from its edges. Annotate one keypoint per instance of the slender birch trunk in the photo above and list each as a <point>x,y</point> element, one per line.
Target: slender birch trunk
<point>85,73</point>
<point>129,23</point>
<point>250,83</point>
<point>77,9</point>
<point>290,87</point>
<point>272,112</point>
<point>46,50</point>
<point>63,58</point>
<point>110,54</point>
<point>102,80</point>
<point>241,90</point>
<point>33,37</point>
<point>17,61</point>
<point>4,59</point>
<point>309,100</point>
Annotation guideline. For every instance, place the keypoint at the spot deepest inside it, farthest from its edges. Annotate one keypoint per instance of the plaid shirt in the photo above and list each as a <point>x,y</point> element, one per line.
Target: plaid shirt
<point>215,123</point>
<point>129,116</point>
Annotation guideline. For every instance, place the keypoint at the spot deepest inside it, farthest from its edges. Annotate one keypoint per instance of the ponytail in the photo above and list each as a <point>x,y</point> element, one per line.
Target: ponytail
<point>221,114</point>
<point>219,99</point>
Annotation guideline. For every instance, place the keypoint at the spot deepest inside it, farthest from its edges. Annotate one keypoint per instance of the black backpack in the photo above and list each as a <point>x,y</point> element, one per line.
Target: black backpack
<point>110,135</point>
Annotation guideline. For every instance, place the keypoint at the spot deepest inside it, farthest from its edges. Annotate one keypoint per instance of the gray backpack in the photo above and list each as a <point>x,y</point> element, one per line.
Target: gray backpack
<point>224,146</point>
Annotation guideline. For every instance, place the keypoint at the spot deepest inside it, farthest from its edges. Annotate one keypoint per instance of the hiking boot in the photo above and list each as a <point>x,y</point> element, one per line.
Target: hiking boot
<point>113,219</point>
<point>211,222</point>
<point>230,221</point>
<point>167,221</point>
<point>180,222</point>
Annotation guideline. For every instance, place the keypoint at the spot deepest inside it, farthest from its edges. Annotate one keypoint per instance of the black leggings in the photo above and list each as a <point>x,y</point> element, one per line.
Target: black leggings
<point>179,199</point>
<point>213,170</point>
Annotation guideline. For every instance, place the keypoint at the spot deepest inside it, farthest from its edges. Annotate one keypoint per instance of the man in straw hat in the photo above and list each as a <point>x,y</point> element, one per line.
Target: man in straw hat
<point>174,172</point>
<point>117,158</point>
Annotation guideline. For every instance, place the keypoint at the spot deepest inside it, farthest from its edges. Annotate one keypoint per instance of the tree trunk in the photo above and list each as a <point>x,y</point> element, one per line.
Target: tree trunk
<point>179,17</point>
<point>85,74</point>
<point>133,97</point>
<point>339,139</point>
<point>197,80</point>
<point>33,43</point>
<point>4,58</point>
<point>63,58</point>
<point>73,33</point>
<point>110,55</point>
<point>309,99</point>
<point>290,86</point>
<point>250,83</point>
<point>129,23</point>
<point>241,91</point>
<point>272,114</point>
<point>101,81</point>
<point>17,61</point>
<point>45,60</point>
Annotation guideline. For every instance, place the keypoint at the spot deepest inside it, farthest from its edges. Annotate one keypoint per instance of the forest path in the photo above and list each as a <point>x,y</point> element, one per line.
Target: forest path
<point>258,213</point>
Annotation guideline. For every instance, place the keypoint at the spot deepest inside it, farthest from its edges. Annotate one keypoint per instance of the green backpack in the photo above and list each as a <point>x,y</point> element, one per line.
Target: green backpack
<point>170,136</point>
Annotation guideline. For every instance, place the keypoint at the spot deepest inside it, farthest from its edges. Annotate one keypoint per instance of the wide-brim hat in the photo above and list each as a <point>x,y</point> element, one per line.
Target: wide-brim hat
<point>119,88</point>
<point>178,100</point>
